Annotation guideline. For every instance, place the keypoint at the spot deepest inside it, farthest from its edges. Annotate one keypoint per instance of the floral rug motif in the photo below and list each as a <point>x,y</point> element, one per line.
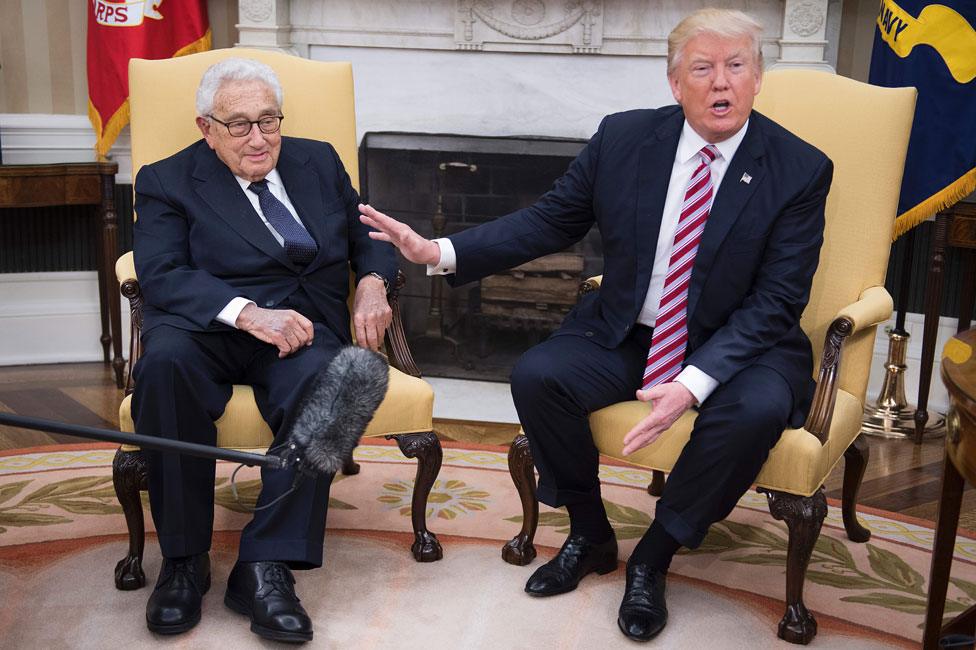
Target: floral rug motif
<point>877,589</point>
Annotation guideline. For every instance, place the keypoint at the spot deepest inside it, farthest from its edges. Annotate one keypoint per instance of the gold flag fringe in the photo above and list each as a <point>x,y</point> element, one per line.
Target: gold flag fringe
<point>105,137</point>
<point>942,199</point>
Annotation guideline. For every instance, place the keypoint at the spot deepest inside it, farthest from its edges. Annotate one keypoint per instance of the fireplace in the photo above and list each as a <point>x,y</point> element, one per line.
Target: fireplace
<point>442,184</point>
<point>498,68</point>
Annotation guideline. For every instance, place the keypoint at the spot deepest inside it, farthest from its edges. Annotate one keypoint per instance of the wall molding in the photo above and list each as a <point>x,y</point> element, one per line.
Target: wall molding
<point>52,318</point>
<point>33,138</point>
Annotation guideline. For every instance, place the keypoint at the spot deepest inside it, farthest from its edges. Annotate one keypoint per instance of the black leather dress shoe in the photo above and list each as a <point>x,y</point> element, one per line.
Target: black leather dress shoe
<point>643,611</point>
<point>575,559</point>
<point>265,592</point>
<point>174,605</point>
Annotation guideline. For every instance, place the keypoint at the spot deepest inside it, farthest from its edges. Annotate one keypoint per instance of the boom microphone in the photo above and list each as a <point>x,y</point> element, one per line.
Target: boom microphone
<point>334,412</point>
<point>319,435</point>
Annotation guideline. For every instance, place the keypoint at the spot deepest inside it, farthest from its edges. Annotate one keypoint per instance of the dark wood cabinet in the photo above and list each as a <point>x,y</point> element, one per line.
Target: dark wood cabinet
<point>88,183</point>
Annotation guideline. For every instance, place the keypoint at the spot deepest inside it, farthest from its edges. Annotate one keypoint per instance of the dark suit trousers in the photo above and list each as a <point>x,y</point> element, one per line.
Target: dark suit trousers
<point>558,383</point>
<point>182,384</point>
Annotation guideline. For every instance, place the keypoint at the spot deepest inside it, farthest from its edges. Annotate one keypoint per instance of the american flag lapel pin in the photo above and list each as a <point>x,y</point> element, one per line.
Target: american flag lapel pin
<point>746,178</point>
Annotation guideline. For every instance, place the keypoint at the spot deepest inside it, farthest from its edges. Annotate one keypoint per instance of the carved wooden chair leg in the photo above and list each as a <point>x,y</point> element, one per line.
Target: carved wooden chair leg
<point>803,516</point>
<point>520,550</point>
<point>855,462</point>
<point>426,448</point>
<point>656,487</point>
<point>350,467</point>
<point>129,477</point>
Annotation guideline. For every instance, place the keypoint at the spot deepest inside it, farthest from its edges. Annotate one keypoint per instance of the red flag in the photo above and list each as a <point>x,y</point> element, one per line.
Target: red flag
<point>119,30</point>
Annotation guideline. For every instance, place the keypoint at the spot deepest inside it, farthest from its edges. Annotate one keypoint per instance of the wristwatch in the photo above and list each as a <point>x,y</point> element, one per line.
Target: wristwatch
<point>386,284</point>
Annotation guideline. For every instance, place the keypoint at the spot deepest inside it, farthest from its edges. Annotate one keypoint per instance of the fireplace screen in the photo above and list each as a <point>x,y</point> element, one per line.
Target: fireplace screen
<point>442,184</point>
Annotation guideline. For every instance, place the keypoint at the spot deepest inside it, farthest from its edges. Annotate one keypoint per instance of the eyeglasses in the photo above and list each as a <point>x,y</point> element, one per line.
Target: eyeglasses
<point>240,128</point>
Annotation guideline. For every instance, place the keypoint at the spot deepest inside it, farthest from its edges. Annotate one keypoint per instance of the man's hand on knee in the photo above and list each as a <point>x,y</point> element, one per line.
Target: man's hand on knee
<point>668,402</point>
<point>371,313</point>
<point>285,329</point>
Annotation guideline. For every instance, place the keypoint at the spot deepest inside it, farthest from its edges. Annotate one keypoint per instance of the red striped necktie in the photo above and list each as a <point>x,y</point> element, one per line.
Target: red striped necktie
<point>670,336</point>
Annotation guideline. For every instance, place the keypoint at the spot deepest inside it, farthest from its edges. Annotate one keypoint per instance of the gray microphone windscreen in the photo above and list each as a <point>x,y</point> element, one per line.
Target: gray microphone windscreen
<point>337,407</point>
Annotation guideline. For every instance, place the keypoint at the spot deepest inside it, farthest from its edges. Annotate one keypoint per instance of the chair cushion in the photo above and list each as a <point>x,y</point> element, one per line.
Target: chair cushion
<point>798,464</point>
<point>407,408</point>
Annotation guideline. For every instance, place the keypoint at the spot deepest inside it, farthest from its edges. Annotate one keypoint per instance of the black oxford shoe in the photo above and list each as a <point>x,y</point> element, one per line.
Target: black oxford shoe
<point>265,592</point>
<point>643,612</point>
<point>174,605</point>
<point>575,559</point>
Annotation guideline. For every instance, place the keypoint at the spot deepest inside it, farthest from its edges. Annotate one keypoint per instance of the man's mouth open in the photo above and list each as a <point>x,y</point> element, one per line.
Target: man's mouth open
<point>721,107</point>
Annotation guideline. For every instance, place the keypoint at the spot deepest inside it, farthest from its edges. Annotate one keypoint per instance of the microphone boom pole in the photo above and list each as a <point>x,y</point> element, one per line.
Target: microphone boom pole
<point>270,461</point>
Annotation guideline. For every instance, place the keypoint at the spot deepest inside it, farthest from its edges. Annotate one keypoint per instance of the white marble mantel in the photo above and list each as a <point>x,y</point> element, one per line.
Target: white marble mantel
<point>514,67</point>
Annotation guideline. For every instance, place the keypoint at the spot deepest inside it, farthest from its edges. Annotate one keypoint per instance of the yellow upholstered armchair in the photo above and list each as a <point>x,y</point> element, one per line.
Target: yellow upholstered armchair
<point>864,130</point>
<point>318,103</point>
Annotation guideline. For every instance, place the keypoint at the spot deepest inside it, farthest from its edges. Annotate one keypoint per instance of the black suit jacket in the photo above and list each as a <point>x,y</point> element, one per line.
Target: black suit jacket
<point>752,274</point>
<point>198,242</point>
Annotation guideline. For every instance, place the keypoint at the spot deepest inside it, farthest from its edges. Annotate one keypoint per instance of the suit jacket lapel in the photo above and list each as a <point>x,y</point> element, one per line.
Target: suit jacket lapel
<point>732,197</point>
<point>304,192</point>
<point>220,190</point>
<point>654,165</point>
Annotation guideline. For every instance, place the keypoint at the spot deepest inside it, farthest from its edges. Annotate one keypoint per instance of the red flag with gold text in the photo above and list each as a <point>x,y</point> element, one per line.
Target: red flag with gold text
<point>119,30</point>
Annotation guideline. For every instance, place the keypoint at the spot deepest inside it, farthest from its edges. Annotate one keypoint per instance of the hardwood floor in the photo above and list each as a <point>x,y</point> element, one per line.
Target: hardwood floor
<point>901,477</point>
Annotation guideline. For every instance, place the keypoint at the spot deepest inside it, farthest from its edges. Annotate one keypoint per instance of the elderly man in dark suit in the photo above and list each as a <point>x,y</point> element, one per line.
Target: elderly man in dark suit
<point>243,246</point>
<point>711,217</point>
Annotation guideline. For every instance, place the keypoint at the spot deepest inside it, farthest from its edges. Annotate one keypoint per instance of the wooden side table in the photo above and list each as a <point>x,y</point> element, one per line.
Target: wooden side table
<point>955,227</point>
<point>959,375</point>
<point>88,183</point>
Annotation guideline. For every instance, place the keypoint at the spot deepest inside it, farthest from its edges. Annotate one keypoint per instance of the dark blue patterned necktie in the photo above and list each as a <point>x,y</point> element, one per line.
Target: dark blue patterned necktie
<point>299,245</point>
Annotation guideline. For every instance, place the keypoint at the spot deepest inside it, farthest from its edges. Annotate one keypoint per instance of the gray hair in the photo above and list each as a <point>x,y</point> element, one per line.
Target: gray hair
<point>234,69</point>
<point>727,23</point>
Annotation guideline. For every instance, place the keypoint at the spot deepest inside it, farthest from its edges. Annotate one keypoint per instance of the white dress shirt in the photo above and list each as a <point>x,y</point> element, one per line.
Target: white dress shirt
<point>228,315</point>
<point>686,161</point>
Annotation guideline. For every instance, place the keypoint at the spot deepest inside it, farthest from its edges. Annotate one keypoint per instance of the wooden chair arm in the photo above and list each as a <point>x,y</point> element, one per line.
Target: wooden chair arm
<point>874,306</point>
<point>398,352</point>
<point>130,289</point>
<point>822,410</point>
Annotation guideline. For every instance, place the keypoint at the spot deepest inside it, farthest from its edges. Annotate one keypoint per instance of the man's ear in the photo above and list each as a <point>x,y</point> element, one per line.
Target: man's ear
<point>675,87</point>
<point>204,125</point>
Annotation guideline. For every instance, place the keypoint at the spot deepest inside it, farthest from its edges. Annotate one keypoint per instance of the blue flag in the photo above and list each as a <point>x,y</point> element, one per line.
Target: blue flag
<point>932,47</point>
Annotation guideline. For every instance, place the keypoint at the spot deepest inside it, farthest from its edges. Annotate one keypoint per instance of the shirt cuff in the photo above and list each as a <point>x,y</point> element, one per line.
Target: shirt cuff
<point>228,315</point>
<point>696,381</point>
<point>448,261</point>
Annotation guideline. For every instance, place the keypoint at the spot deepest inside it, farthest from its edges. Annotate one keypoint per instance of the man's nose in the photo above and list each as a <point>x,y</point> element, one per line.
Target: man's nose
<point>721,80</point>
<point>255,137</point>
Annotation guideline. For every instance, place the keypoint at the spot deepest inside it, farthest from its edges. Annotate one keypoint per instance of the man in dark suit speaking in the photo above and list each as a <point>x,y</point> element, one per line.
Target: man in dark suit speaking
<point>243,246</point>
<point>711,217</point>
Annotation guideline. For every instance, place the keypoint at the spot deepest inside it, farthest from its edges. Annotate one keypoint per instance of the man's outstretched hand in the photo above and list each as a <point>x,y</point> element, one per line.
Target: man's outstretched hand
<point>287,330</point>
<point>669,401</point>
<point>413,247</point>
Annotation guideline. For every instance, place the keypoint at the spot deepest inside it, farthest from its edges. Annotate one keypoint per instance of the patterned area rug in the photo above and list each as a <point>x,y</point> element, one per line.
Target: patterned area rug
<point>61,532</point>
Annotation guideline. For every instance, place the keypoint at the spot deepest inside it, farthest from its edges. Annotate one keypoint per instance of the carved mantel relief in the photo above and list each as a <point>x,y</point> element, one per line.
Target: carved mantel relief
<point>795,30</point>
<point>542,25</point>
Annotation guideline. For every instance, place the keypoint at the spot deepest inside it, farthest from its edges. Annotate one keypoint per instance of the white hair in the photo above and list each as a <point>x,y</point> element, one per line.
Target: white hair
<point>727,23</point>
<point>234,69</point>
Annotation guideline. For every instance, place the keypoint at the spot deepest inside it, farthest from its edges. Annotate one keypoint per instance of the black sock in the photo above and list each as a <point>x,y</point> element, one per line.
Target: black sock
<point>589,519</point>
<point>655,549</point>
